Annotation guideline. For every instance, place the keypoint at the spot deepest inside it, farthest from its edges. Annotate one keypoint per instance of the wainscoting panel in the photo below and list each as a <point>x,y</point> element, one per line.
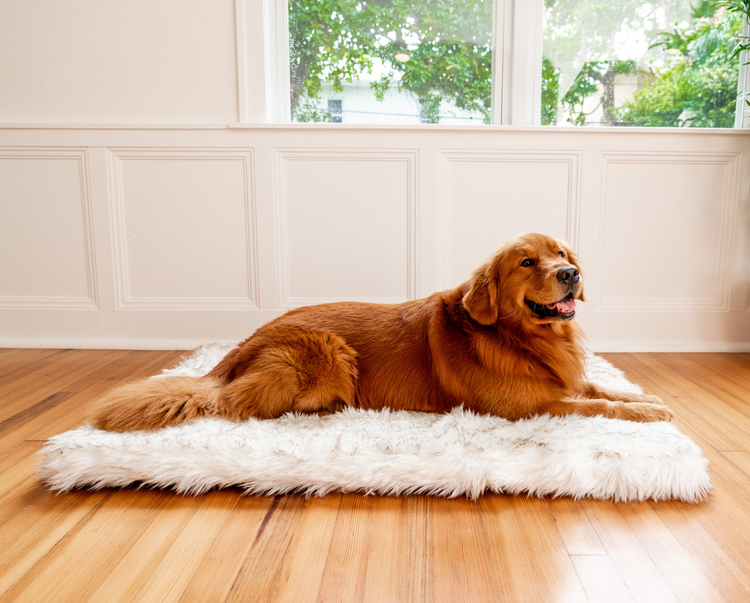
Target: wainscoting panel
<point>183,229</point>
<point>487,198</point>
<point>346,224</point>
<point>46,251</point>
<point>668,224</point>
<point>168,237</point>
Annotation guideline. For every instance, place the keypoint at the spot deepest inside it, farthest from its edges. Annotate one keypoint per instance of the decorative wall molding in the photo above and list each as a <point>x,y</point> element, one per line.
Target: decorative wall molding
<point>571,159</point>
<point>729,197</point>
<point>259,220</point>
<point>91,301</point>
<point>124,298</point>
<point>281,158</point>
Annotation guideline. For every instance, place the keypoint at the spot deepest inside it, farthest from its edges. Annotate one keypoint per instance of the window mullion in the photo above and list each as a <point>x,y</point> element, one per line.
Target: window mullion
<point>276,30</point>
<point>517,68</point>
<point>742,112</point>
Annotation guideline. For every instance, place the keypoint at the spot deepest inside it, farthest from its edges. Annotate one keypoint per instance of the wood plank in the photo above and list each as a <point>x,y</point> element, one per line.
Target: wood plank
<point>633,563</point>
<point>420,547</point>
<point>34,523</point>
<point>442,587</point>
<point>71,411</point>
<point>677,566</point>
<point>730,500</point>
<point>23,497</point>
<point>720,466</point>
<point>469,567</point>
<point>725,517</point>
<point>722,572</point>
<point>78,564</point>
<point>132,572</point>
<point>718,370</point>
<point>557,578</point>
<point>703,397</point>
<point>702,418</point>
<point>15,455</point>
<point>710,378</point>
<point>258,579</point>
<point>736,363</point>
<point>387,575</point>
<point>17,466</point>
<point>45,378</point>
<point>346,569</point>
<point>29,361</point>
<point>221,565</point>
<point>31,411</point>
<point>740,459</point>
<point>171,576</point>
<point>64,379</point>
<point>15,363</point>
<point>509,551</point>
<point>575,528</point>
<point>600,579</point>
<point>302,570</point>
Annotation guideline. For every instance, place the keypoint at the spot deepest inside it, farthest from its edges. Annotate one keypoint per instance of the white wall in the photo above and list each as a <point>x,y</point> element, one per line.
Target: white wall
<point>149,234</point>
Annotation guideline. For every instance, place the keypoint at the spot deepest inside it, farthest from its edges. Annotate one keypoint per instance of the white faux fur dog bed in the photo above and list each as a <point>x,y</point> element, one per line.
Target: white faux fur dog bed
<point>391,453</point>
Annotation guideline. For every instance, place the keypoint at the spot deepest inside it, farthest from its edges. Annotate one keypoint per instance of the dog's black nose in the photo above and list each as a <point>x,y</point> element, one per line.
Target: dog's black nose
<point>569,275</point>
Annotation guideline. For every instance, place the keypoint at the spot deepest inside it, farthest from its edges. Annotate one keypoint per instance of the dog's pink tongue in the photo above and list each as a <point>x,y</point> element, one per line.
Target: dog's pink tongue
<point>564,305</point>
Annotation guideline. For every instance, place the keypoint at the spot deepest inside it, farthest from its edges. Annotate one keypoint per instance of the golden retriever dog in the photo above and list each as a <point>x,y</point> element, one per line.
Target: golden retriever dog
<point>503,343</point>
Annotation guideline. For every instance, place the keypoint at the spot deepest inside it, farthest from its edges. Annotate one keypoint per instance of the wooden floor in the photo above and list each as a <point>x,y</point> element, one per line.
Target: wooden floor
<point>145,545</point>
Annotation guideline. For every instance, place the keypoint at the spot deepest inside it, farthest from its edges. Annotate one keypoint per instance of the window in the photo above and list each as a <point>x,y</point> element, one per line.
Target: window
<point>554,62</point>
<point>398,61</point>
<point>635,63</point>
<point>335,111</point>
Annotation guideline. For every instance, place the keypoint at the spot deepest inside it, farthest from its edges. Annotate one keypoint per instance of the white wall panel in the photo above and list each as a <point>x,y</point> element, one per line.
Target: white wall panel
<point>667,233</point>
<point>346,225</point>
<point>194,227</point>
<point>46,247</point>
<point>183,227</point>
<point>490,197</point>
<point>140,61</point>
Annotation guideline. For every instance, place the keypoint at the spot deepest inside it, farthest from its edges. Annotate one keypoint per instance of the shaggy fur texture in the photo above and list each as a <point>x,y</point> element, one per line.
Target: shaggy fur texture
<point>503,343</point>
<point>458,453</point>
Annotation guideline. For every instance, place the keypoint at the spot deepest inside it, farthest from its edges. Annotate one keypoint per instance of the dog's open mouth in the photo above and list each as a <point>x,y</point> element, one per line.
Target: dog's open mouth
<point>564,309</point>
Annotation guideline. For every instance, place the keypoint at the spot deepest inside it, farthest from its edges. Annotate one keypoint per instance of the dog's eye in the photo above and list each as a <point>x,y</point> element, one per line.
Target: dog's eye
<point>527,262</point>
<point>561,254</point>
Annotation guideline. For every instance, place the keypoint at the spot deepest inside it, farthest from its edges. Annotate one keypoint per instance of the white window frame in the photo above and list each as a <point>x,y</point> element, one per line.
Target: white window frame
<point>742,113</point>
<point>262,30</point>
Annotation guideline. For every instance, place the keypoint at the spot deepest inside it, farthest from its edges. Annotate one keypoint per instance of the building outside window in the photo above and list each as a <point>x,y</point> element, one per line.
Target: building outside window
<point>335,111</point>
<point>668,63</point>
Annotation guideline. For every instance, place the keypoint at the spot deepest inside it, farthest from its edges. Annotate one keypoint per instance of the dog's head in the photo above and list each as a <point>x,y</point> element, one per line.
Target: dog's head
<point>534,279</point>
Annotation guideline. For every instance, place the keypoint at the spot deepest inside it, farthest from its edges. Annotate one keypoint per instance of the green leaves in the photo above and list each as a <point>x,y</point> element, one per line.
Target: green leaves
<point>699,88</point>
<point>448,43</point>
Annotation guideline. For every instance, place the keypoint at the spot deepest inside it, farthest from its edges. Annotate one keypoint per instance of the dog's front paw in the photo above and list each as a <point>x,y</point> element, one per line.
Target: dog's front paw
<point>653,400</point>
<point>664,412</point>
<point>643,413</point>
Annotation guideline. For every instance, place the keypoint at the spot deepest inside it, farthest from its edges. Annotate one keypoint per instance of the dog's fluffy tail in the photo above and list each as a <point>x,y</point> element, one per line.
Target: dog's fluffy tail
<point>156,403</point>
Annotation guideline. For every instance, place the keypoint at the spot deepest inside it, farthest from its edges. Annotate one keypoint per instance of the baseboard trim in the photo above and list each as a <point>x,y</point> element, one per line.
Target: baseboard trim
<point>669,346</point>
<point>107,343</point>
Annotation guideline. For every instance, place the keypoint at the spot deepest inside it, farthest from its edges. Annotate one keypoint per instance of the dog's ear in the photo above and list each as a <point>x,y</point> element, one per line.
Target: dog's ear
<point>480,301</point>
<point>573,259</point>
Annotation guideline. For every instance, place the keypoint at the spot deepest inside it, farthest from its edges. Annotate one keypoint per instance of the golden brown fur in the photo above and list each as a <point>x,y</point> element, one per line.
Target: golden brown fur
<point>493,345</point>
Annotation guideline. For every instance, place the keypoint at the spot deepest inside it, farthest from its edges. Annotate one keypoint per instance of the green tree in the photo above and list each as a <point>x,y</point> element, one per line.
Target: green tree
<point>444,49</point>
<point>589,42</point>
<point>593,76</point>
<point>699,86</point>
<point>550,92</point>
